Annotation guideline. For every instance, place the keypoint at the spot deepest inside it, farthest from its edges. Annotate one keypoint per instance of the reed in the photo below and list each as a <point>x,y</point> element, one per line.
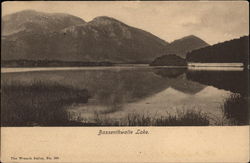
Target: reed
<point>38,103</point>
<point>235,108</point>
<point>182,118</point>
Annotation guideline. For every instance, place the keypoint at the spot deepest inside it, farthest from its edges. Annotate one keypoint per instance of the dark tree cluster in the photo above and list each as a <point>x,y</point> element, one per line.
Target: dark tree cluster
<point>227,52</point>
<point>169,60</point>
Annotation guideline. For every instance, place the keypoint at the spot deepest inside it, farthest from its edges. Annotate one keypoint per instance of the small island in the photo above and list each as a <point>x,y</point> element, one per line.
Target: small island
<point>169,60</point>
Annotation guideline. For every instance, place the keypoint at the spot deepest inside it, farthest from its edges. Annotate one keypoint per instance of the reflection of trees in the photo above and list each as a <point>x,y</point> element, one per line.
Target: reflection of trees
<point>170,72</point>
<point>235,107</point>
<point>113,88</point>
<point>234,81</point>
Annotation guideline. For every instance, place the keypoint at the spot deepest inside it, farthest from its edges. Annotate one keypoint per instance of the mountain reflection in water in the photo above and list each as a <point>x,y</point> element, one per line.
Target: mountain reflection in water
<point>116,92</point>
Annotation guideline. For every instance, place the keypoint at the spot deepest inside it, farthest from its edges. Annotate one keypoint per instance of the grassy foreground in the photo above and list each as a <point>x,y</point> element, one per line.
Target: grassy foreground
<point>38,104</point>
<point>182,118</point>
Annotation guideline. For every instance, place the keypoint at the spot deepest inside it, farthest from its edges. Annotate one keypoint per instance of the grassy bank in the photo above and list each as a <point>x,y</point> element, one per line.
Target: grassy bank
<point>38,103</point>
<point>182,118</point>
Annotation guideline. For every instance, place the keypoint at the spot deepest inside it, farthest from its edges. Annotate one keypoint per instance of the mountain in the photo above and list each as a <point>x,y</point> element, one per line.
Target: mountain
<point>33,21</point>
<point>236,50</point>
<point>169,60</point>
<point>186,44</point>
<point>35,35</point>
<point>107,39</point>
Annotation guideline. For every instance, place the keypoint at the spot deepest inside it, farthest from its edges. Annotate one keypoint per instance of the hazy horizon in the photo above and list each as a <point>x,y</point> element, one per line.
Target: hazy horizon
<point>211,21</point>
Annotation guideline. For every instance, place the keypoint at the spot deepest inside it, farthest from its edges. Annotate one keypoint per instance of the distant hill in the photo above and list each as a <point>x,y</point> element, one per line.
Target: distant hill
<point>186,44</point>
<point>169,60</point>
<point>236,50</point>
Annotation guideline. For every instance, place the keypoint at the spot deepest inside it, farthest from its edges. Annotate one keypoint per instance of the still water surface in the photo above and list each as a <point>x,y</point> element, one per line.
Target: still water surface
<point>119,91</point>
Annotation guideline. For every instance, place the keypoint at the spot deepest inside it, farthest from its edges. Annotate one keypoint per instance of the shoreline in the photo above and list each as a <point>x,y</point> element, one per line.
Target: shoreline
<point>190,66</point>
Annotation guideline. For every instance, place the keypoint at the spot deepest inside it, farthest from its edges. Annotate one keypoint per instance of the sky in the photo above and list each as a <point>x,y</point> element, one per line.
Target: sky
<point>214,21</point>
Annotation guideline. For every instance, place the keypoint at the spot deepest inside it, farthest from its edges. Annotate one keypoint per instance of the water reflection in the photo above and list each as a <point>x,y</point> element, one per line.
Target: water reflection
<point>235,107</point>
<point>117,92</point>
<point>169,73</point>
<point>177,79</point>
<point>234,81</point>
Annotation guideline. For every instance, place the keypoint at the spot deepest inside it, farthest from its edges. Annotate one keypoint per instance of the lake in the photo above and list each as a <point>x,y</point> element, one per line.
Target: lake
<point>123,95</point>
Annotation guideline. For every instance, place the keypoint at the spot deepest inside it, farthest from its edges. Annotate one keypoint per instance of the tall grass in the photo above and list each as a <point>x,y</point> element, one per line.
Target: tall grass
<point>185,118</point>
<point>38,103</point>
<point>182,118</point>
<point>235,108</point>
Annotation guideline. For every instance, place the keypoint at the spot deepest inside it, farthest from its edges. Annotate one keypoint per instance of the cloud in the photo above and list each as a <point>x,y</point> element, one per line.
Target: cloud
<point>220,22</point>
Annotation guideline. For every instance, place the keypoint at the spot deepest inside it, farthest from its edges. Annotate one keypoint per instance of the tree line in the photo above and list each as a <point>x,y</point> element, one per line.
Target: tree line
<point>235,50</point>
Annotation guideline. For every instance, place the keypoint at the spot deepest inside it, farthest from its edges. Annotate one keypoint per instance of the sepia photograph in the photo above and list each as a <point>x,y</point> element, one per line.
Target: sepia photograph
<point>87,65</point>
<point>123,68</point>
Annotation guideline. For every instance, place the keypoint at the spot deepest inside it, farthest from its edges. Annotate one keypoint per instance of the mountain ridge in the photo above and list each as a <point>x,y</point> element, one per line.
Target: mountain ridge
<point>31,20</point>
<point>47,36</point>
